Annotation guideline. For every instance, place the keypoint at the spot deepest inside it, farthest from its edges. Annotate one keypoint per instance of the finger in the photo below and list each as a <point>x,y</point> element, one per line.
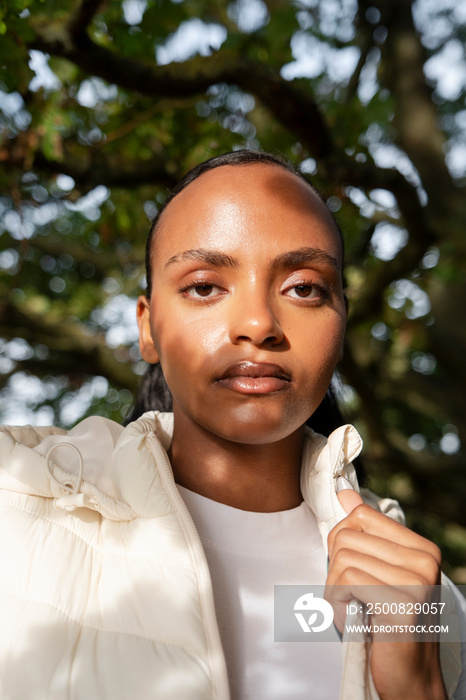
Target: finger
<point>349,567</point>
<point>349,540</point>
<point>387,603</point>
<point>366,519</point>
<point>348,497</point>
<point>339,595</point>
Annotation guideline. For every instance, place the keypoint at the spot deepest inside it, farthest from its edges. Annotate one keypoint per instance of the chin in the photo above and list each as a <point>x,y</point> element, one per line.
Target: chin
<point>257,428</point>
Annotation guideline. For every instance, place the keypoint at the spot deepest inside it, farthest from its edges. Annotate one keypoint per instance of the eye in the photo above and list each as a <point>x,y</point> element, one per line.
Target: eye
<point>305,291</point>
<point>202,291</point>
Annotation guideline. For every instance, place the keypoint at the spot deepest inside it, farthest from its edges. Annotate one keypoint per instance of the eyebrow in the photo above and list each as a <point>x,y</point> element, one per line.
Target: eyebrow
<point>304,256</point>
<point>291,260</point>
<point>211,257</point>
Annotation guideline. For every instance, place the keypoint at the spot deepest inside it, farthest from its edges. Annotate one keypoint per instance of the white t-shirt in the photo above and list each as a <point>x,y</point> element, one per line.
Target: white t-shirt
<point>248,553</point>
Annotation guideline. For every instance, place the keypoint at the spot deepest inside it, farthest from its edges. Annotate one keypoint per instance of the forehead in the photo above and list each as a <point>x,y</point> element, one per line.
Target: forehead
<point>238,208</point>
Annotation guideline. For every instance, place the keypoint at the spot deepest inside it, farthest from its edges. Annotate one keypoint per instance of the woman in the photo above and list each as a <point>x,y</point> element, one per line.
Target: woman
<point>245,312</point>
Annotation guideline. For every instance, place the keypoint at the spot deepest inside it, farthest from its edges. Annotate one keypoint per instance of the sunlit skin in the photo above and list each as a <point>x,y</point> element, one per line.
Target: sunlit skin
<point>247,317</point>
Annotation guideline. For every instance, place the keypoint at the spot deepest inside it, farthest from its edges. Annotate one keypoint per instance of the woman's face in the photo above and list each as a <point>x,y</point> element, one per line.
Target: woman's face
<point>247,314</point>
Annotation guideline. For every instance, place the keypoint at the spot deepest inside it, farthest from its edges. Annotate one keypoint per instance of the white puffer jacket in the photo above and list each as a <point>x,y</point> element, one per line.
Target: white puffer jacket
<point>105,591</point>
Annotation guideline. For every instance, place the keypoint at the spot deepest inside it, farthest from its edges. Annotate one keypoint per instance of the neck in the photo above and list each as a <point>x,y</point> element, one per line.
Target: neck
<point>259,478</point>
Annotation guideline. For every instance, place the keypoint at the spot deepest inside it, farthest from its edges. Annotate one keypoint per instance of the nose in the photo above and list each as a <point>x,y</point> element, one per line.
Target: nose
<point>254,321</point>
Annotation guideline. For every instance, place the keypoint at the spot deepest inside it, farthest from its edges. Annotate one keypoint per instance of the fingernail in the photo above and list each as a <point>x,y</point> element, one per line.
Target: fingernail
<point>343,483</point>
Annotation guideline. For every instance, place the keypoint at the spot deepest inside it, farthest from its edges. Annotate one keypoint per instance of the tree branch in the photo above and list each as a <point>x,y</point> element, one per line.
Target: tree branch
<point>369,300</point>
<point>294,107</point>
<point>82,15</point>
<point>108,171</point>
<point>366,43</point>
<point>416,117</point>
<point>88,167</point>
<point>104,262</point>
<point>68,344</point>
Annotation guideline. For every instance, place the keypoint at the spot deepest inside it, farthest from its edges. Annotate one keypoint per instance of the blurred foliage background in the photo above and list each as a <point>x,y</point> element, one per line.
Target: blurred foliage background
<point>104,105</point>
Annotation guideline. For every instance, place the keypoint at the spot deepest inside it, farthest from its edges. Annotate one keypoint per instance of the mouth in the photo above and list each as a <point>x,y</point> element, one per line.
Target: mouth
<point>255,378</point>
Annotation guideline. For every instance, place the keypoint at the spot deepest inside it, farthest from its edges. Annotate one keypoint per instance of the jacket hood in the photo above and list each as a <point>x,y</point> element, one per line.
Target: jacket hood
<point>72,467</point>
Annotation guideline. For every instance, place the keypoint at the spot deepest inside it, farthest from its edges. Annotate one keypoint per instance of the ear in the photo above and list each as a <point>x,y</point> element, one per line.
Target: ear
<point>146,343</point>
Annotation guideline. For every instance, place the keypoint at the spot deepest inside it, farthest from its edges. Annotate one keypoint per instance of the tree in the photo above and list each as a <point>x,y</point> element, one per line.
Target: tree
<point>106,104</point>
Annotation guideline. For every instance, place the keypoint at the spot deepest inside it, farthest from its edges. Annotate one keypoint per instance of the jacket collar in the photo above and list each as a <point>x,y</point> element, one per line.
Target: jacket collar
<point>323,460</point>
<point>119,479</point>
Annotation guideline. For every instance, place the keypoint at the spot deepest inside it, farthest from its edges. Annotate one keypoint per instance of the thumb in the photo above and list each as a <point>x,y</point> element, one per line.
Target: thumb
<point>348,497</point>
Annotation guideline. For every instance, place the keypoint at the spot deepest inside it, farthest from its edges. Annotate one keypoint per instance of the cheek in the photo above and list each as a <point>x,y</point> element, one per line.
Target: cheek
<point>335,337</point>
<point>335,340</point>
<point>185,344</point>
<point>321,344</point>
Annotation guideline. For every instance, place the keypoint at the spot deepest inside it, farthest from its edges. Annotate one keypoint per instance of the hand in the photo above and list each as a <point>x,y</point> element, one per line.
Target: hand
<point>369,549</point>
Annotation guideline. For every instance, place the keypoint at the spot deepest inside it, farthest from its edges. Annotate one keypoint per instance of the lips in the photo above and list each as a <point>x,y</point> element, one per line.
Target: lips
<point>255,378</point>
